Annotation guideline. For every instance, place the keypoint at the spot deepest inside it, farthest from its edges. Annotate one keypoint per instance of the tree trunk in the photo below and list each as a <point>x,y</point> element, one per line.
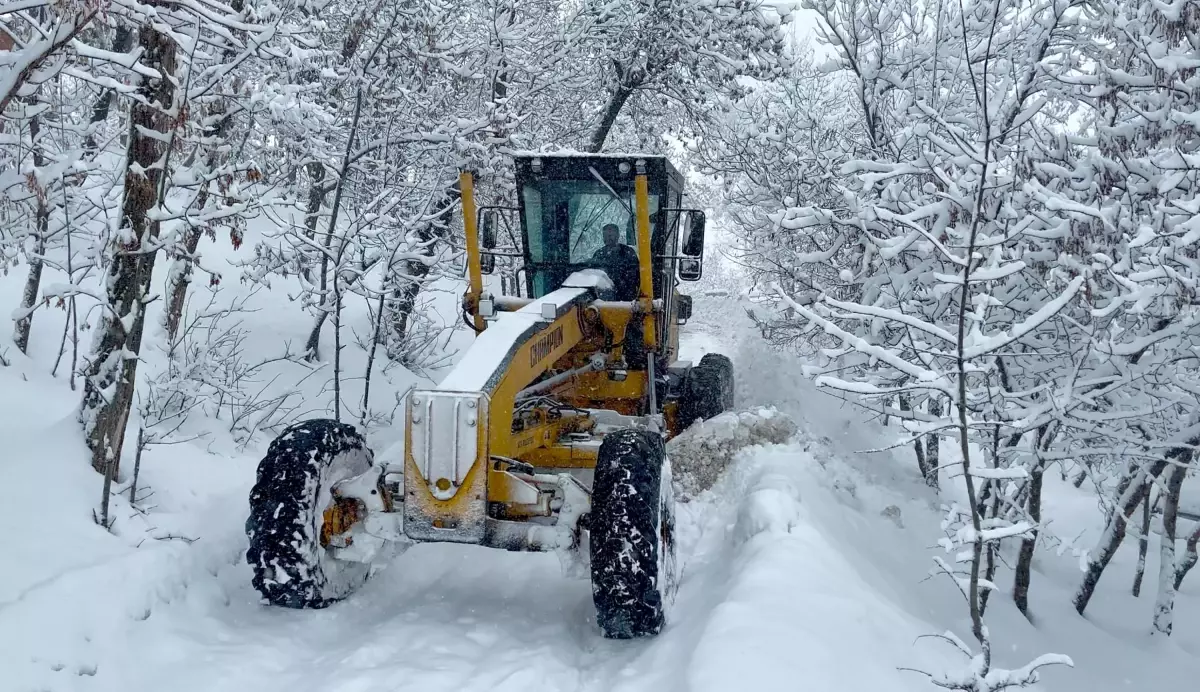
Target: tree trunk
<point>932,444</point>
<point>312,346</point>
<point>29,296</point>
<point>182,267</point>
<point>992,548</point>
<point>137,465</point>
<point>376,339</point>
<point>1164,605</point>
<point>317,192</point>
<point>615,103</point>
<point>316,197</point>
<point>181,279</point>
<point>905,404</point>
<point>1131,492</point>
<point>1143,547</point>
<point>110,379</point>
<point>1024,571</point>
<point>406,285</point>
<point>1190,558</point>
<point>121,43</point>
<point>33,283</point>
<point>404,298</point>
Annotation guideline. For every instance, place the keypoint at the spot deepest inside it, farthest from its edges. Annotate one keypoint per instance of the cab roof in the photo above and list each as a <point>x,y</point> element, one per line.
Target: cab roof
<point>572,165</point>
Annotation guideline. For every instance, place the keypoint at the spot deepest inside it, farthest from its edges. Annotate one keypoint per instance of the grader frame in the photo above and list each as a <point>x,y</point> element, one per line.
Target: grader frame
<point>480,456</point>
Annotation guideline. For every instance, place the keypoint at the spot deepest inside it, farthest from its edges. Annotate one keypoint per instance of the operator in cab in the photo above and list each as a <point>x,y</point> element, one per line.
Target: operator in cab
<point>620,262</point>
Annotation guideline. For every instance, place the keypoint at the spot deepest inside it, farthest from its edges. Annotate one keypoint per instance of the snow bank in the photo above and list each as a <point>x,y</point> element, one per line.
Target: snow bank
<point>795,603</point>
<point>73,597</point>
<point>887,538</point>
<point>702,453</point>
<point>163,601</point>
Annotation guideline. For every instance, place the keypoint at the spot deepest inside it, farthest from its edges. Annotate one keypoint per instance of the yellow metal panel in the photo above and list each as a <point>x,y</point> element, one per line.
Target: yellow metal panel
<point>506,487</point>
<point>671,418</point>
<point>419,500</point>
<point>527,363</point>
<point>540,436</point>
<point>596,390</point>
<point>672,323</point>
<point>563,457</point>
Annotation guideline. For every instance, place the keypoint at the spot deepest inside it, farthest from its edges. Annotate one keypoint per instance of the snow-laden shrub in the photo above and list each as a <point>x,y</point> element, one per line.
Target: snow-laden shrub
<point>702,452</point>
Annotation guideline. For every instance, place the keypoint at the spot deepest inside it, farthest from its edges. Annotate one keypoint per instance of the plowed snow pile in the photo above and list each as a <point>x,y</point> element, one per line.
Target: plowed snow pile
<point>704,451</point>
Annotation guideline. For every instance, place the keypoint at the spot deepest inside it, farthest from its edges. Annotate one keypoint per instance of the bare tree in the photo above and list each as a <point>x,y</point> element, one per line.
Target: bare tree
<point>945,304</point>
<point>685,51</point>
<point>1164,605</point>
<point>112,370</point>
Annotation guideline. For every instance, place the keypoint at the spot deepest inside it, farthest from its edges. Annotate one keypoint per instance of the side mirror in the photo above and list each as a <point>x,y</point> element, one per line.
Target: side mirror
<point>683,310</point>
<point>693,245</point>
<point>487,230</point>
<point>690,269</point>
<point>487,239</point>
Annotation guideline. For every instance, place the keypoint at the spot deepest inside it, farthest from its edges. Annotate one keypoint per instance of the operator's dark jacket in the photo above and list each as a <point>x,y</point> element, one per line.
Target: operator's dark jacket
<point>620,262</point>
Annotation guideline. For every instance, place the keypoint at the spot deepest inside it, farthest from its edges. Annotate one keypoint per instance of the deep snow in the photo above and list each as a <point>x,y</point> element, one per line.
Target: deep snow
<point>804,568</point>
<point>766,599</point>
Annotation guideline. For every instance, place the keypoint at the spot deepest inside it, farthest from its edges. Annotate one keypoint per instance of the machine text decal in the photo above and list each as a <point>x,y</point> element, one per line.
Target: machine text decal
<point>545,345</point>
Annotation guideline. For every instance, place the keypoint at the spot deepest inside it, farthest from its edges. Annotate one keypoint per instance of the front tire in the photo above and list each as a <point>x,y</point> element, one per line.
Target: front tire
<point>709,390</point>
<point>632,535</point>
<point>287,503</point>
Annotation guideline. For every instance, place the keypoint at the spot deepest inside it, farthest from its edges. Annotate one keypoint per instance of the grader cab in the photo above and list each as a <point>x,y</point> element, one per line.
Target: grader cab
<point>550,432</point>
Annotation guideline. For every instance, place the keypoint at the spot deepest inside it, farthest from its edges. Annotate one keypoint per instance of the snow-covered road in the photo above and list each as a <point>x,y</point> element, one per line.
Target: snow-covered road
<point>767,598</point>
<point>803,569</point>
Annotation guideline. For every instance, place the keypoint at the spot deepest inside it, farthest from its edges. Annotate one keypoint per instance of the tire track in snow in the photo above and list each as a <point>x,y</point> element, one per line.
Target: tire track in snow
<point>439,617</point>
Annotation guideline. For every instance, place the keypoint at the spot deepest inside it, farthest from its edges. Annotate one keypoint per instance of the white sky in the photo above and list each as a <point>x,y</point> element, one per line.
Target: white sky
<point>803,27</point>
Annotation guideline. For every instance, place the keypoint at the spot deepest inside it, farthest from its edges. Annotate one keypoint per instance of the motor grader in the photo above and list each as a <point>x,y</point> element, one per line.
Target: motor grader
<point>549,434</point>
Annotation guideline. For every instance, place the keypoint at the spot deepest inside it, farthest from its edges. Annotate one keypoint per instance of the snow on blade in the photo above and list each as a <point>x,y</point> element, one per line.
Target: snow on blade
<point>589,278</point>
<point>483,363</point>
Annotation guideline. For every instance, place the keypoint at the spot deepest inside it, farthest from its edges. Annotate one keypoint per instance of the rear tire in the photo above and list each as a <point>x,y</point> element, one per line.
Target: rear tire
<point>632,535</point>
<point>291,567</point>
<point>709,391</point>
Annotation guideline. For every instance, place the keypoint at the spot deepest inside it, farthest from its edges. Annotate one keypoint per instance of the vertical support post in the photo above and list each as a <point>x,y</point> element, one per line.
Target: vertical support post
<point>641,190</point>
<point>466,188</point>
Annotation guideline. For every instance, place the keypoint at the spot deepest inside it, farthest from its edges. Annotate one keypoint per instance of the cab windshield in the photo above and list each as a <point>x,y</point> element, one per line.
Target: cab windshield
<point>565,221</point>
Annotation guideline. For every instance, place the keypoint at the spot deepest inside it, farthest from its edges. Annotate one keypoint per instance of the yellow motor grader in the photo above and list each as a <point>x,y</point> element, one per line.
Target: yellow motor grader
<point>550,432</point>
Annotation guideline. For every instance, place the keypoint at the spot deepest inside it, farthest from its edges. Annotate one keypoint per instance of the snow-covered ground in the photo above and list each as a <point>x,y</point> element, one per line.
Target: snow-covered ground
<point>804,568</point>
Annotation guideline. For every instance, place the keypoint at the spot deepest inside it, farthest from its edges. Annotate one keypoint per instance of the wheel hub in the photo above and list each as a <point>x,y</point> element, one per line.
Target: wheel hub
<point>342,514</point>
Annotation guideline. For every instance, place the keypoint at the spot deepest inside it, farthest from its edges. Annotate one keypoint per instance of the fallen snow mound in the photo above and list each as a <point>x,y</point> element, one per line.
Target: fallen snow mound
<point>701,453</point>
